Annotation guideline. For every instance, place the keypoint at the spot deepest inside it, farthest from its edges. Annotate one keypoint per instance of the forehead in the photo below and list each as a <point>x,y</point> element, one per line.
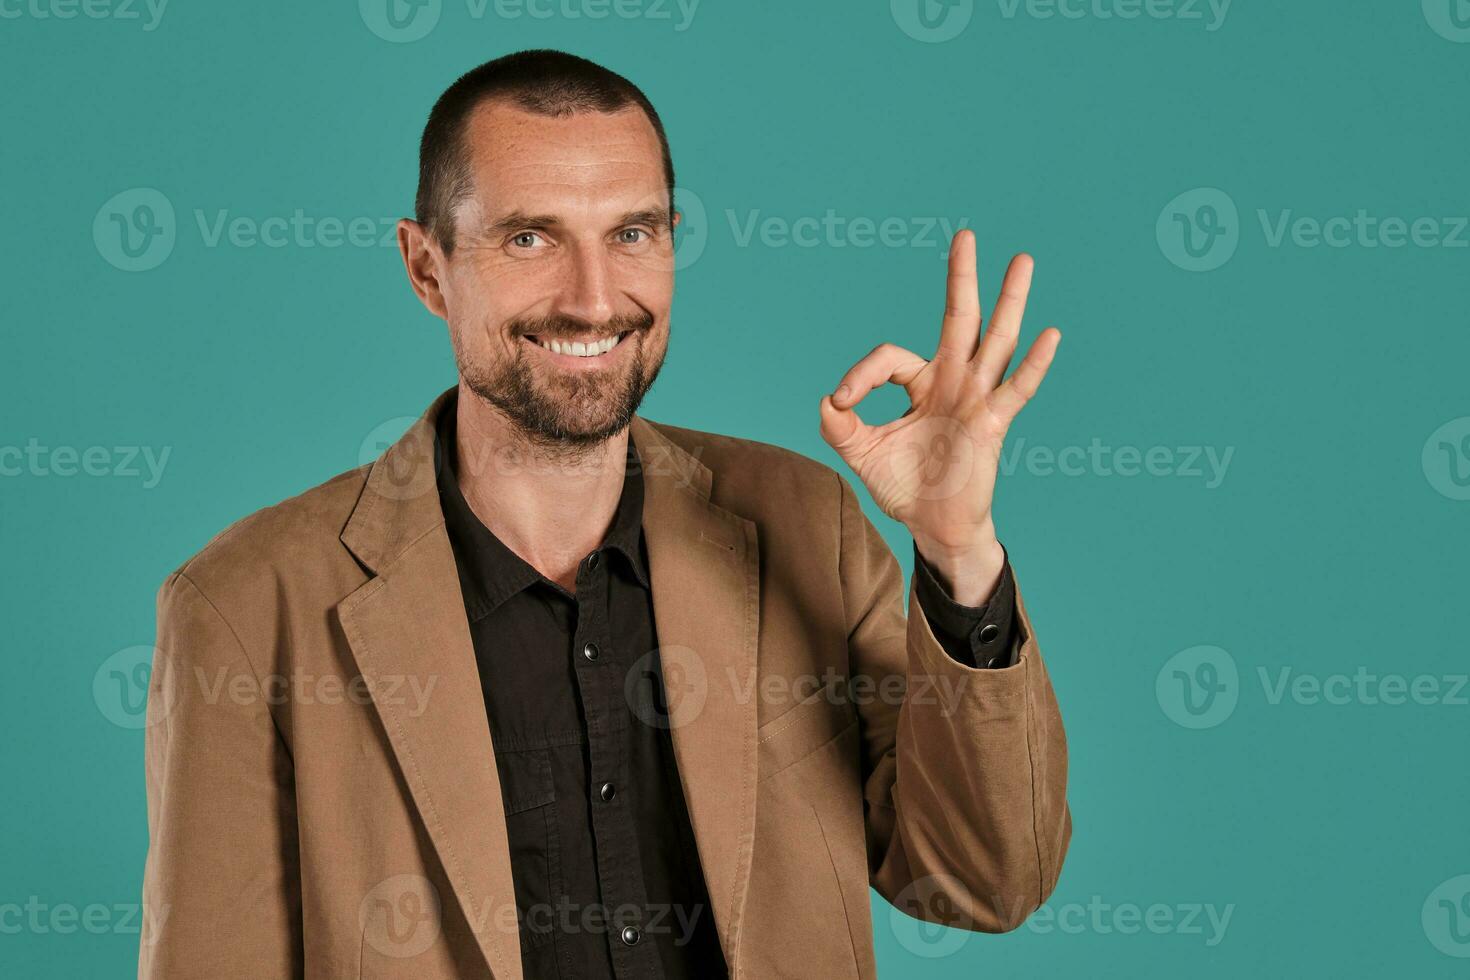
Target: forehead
<point>522,160</point>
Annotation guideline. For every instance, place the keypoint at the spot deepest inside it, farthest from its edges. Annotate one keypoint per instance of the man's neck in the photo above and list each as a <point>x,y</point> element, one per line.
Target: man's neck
<point>550,505</point>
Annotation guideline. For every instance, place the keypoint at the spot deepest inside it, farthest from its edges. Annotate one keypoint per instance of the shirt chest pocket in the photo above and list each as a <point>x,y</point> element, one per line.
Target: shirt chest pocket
<point>528,792</point>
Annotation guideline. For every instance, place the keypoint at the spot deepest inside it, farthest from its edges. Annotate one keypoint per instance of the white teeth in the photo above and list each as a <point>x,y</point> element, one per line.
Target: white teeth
<point>579,349</point>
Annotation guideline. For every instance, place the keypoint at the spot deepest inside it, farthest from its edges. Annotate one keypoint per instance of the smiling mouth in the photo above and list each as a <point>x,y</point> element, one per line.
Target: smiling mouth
<point>594,347</point>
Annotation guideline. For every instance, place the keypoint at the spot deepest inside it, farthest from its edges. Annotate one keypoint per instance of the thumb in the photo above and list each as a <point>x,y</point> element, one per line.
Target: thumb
<point>841,427</point>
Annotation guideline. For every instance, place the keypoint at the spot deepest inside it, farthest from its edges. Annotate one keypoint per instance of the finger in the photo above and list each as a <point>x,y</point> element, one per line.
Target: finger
<point>961,326</point>
<point>885,363</point>
<point>999,344</point>
<point>842,430</point>
<point>1012,396</point>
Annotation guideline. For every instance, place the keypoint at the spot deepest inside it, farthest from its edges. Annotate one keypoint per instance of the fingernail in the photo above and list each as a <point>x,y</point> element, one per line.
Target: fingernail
<point>841,392</point>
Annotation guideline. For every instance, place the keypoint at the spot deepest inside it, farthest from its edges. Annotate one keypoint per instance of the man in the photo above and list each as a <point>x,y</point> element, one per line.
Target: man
<point>553,690</point>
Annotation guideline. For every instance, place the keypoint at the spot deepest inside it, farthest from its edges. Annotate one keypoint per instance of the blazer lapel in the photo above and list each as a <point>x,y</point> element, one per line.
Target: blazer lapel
<point>704,566</point>
<point>409,622</point>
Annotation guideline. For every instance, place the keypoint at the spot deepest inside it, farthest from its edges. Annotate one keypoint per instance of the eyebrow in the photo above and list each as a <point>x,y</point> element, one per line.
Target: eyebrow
<point>517,220</point>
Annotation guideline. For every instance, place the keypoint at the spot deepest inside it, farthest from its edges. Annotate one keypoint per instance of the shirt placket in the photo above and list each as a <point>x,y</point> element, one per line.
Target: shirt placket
<point>600,675</point>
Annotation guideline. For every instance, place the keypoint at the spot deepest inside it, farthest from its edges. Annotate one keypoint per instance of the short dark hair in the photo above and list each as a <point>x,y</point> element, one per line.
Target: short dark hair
<point>542,81</point>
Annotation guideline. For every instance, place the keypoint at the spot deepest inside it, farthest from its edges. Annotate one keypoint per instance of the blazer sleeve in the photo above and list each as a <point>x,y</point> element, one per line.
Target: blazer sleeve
<point>221,892</point>
<point>965,777</point>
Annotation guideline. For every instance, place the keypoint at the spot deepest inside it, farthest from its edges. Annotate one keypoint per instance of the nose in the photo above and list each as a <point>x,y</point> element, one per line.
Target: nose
<point>588,293</point>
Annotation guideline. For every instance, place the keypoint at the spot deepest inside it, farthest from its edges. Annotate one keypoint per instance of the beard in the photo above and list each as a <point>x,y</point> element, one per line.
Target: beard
<point>562,411</point>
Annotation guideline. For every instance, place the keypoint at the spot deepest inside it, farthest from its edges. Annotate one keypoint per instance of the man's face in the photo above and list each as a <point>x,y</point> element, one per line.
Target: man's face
<point>563,248</point>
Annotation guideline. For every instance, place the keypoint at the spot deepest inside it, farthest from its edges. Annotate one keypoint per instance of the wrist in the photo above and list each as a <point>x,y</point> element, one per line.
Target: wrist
<point>970,572</point>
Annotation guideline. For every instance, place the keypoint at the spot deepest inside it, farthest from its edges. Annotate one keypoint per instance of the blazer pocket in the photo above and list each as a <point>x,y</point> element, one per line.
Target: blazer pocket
<point>528,792</point>
<point>803,729</point>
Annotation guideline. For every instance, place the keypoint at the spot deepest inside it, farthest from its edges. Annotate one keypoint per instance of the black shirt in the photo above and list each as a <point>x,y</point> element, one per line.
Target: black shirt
<point>606,873</point>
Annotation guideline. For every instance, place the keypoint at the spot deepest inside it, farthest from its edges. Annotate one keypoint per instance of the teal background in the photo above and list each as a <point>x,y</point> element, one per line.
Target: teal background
<point>1329,545</point>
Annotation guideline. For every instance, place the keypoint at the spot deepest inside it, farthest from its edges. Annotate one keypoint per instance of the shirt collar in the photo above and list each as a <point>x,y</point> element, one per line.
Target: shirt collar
<point>490,572</point>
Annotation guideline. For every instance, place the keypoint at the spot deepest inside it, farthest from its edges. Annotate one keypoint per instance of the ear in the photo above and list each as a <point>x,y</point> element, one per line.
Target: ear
<point>425,263</point>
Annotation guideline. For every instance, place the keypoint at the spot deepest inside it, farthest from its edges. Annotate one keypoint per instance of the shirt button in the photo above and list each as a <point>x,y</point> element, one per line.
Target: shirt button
<point>592,560</point>
<point>608,791</point>
<point>590,651</point>
<point>993,662</point>
<point>631,935</point>
<point>989,632</point>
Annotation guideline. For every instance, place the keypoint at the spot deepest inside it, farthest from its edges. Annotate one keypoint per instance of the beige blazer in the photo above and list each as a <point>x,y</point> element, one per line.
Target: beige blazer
<point>322,792</point>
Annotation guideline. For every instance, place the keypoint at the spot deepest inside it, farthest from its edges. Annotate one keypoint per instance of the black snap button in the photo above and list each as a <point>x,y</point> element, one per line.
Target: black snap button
<point>631,935</point>
<point>994,662</point>
<point>608,791</point>
<point>590,651</point>
<point>592,560</point>
<point>989,632</point>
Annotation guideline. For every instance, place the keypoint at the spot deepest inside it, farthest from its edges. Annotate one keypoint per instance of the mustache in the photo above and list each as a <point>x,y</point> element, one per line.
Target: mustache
<point>559,327</point>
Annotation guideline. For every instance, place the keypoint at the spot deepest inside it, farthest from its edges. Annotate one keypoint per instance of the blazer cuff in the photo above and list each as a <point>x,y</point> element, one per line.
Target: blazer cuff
<point>976,636</point>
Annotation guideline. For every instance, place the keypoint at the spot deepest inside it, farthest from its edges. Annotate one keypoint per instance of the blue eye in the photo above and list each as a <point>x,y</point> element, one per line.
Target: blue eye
<point>526,239</point>
<point>637,233</point>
